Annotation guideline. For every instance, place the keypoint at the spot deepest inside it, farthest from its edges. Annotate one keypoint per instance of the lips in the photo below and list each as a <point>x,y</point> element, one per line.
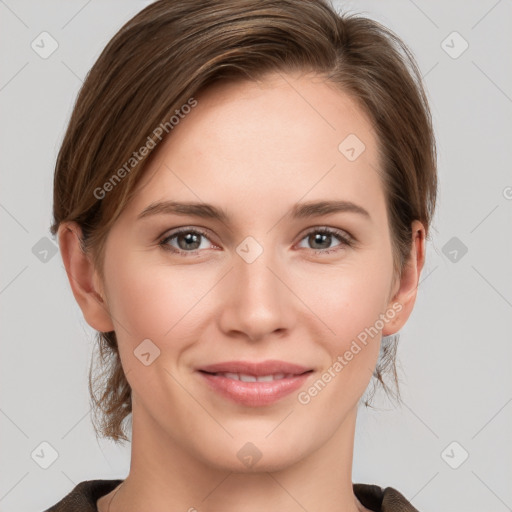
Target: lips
<point>255,384</point>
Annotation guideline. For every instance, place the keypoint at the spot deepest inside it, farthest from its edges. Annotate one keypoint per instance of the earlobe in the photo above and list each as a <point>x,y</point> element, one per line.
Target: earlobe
<point>403,300</point>
<point>83,278</point>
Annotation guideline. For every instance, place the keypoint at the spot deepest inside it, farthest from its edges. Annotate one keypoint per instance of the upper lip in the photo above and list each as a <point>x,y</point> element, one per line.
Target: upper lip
<point>255,368</point>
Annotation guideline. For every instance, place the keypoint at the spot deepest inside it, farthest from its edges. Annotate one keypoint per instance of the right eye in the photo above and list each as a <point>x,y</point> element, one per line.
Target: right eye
<point>186,238</point>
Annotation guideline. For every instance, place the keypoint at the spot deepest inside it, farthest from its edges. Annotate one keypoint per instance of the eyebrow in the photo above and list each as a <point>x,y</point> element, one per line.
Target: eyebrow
<point>208,211</point>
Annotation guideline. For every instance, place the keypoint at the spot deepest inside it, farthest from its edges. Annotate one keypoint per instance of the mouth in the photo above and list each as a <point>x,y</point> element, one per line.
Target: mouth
<point>244,377</point>
<point>254,384</point>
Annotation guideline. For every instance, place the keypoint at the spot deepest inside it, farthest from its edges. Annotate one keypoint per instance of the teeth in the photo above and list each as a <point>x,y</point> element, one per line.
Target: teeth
<point>265,378</point>
<point>253,378</point>
<point>247,378</point>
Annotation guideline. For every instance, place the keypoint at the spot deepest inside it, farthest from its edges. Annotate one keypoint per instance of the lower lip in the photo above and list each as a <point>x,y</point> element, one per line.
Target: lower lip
<point>255,394</point>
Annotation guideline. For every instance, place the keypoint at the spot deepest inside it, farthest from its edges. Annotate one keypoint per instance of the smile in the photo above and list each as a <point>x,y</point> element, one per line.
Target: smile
<point>254,390</point>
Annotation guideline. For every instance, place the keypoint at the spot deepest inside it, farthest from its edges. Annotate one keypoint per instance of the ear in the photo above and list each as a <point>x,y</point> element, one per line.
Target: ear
<point>83,278</point>
<point>404,294</point>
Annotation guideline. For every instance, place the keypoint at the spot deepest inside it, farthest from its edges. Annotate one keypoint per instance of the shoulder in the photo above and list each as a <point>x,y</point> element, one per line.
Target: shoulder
<point>382,500</point>
<point>83,497</point>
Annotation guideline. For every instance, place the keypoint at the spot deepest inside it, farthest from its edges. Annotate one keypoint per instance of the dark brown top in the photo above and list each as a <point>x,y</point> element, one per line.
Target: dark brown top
<point>84,496</point>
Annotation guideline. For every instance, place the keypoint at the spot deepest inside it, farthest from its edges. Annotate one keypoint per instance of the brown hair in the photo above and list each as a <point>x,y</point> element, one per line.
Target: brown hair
<point>173,49</point>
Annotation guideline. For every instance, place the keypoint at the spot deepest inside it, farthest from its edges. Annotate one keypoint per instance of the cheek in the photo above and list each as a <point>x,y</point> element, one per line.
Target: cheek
<point>349,303</point>
<point>155,300</point>
<point>348,298</point>
<point>158,303</point>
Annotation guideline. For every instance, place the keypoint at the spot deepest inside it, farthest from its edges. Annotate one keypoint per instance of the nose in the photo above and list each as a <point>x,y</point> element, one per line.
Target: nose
<point>256,300</point>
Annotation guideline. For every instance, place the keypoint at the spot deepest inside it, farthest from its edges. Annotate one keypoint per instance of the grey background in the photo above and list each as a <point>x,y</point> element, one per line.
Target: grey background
<point>455,353</point>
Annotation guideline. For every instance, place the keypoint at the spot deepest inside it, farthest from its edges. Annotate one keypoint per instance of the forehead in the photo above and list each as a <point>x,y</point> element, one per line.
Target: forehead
<point>278,140</point>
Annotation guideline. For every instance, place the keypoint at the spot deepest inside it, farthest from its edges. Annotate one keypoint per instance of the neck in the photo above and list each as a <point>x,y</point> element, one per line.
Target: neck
<point>163,472</point>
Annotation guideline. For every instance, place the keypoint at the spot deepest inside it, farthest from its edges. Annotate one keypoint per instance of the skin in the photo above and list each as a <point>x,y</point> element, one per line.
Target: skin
<point>292,303</point>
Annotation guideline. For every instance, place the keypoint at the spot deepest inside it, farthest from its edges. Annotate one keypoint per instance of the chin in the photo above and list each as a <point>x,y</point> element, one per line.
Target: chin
<point>246,456</point>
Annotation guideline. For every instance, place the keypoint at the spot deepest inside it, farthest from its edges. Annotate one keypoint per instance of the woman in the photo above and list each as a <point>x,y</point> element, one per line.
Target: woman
<point>242,200</point>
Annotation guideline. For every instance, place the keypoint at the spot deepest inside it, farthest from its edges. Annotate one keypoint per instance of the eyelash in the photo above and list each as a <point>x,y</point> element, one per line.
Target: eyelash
<point>346,240</point>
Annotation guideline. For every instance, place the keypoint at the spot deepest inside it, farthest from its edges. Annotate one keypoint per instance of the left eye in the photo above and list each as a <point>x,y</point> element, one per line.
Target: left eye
<point>189,240</point>
<point>323,235</point>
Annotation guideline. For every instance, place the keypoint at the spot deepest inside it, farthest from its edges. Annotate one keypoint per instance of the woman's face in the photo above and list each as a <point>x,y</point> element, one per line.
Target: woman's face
<point>261,284</point>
